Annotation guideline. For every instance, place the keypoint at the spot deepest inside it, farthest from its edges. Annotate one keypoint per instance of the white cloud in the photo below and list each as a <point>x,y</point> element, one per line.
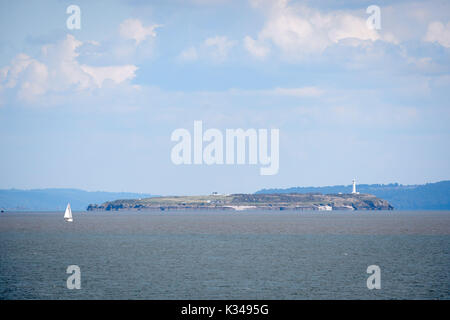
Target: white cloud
<point>58,70</point>
<point>27,74</point>
<point>189,54</point>
<point>61,59</point>
<point>10,74</point>
<point>256,49</point>
<point>117,74</point>
<point>209,2</point>
<point>390,37</point>
<point>298,30</point>
<point>299,92</point>
<point>134,29</point>
<point>219,47</point>
<point>215,48</point>
<point>93,42</point>
<point>438,32</point>
<point>344,26</point>
<point>34,80</point>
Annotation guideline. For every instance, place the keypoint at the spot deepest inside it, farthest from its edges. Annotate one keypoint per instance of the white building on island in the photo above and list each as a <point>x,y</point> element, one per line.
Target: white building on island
<point>354,187</point>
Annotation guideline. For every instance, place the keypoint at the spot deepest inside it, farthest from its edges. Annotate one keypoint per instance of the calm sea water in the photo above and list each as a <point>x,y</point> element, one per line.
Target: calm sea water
<point>226,255</point>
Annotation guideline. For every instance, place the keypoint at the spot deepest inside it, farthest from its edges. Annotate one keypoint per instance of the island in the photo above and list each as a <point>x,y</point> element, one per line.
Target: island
<point>239,202</point>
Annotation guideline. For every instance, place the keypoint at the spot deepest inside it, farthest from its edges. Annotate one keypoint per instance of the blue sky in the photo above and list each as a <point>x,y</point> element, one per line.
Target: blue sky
<point>95,108</point>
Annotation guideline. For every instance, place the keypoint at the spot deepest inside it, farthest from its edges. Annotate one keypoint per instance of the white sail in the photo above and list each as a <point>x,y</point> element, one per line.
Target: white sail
<point>68,214</point>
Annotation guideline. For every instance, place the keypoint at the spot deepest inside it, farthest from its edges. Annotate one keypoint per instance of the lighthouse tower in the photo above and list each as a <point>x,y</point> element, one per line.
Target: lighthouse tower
<point>354,187</point>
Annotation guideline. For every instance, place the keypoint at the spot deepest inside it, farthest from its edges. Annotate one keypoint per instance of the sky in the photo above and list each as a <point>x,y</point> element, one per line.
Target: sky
<point>94,108</point>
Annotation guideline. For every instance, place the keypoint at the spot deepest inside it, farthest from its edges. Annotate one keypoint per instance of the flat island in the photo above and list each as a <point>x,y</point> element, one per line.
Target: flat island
<point>239,202</point>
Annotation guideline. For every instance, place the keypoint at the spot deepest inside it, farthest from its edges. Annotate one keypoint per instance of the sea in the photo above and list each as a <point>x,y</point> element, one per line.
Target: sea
<point>226,255</point>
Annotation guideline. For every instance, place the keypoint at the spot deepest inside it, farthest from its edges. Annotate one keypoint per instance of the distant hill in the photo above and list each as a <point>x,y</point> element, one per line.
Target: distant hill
<point>57,199</point>
<point>430,196</point>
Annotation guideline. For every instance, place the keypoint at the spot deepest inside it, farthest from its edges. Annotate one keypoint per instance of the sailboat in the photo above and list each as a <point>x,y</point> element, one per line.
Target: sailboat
<point>68,214</point>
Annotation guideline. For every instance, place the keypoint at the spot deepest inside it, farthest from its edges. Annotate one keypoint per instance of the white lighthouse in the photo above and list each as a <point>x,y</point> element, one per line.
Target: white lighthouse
<point>354,187</point>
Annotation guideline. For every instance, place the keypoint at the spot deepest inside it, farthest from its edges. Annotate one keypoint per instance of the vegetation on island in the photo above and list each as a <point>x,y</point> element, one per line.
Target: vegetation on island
<point>294,201</point>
